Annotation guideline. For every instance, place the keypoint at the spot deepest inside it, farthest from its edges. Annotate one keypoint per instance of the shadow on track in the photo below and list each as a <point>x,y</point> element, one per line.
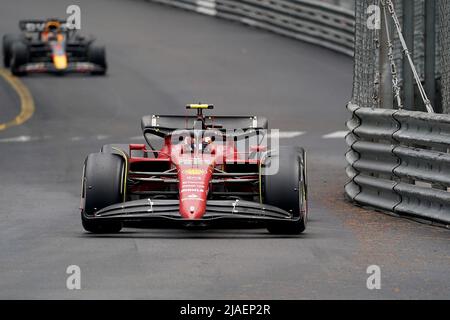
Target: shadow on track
<point>197,234</point>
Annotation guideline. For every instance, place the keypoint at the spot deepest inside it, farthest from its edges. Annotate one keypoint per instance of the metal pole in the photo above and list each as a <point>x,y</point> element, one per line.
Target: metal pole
<point>386,92</point>
<point>430,49</point>
<point>408,31</point>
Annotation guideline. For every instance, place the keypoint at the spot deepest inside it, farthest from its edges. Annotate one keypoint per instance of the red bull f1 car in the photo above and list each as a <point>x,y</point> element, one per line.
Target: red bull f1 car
<point>51,46</point>
<point>208,171</point>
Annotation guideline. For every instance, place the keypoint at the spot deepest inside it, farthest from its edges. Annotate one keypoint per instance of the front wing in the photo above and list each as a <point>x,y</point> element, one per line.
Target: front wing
<point>148,210</point>
<point>72,67</point>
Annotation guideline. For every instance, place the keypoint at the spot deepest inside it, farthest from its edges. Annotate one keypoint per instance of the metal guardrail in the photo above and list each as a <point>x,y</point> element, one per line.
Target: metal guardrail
<point>399,161</point>
<point>315,22</point>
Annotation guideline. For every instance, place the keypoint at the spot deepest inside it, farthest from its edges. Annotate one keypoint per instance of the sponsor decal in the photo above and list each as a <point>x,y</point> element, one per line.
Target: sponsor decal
<point>192,190</point>
<point>194,171</point>
<point>192,199</point>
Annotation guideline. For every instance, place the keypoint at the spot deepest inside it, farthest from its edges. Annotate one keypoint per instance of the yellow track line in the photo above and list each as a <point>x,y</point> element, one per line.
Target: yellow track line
<point>26,100</point>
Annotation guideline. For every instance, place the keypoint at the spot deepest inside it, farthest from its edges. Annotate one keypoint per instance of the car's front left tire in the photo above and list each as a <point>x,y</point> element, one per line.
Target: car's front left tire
<point>287,189</point>
<point>97,56</point>
<point>7,43</point>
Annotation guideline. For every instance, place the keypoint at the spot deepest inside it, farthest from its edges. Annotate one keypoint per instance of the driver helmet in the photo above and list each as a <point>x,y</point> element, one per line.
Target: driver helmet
<point>51,29</point>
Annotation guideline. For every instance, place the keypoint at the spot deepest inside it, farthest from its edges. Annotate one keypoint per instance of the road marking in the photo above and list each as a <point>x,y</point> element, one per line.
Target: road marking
<point>282,135</point>
<point>289,134</point>
<point>26,100</point>
<point>18,139</point>
<point>335,135</point>
<point>137,138</point>
<point>23,138</point>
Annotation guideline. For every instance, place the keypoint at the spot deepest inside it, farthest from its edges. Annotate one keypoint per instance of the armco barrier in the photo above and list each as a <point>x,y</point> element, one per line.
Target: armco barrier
<point>316,22</point>
<point>399,161</point>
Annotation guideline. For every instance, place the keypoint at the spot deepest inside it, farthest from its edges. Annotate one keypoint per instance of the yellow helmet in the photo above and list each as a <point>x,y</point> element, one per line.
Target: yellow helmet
<point>52,26</point>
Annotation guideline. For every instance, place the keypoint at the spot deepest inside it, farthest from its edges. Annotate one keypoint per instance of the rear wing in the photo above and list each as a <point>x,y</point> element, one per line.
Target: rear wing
<point>38,25</point>
<point>162,125</point>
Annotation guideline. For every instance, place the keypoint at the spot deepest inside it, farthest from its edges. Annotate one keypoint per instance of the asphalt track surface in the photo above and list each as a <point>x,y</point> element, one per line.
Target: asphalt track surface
<point>161,58</point>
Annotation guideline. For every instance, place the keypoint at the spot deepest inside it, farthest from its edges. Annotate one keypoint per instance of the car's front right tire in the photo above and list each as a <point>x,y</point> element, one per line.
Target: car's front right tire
<point>102,186</point>
<point>7,43</point>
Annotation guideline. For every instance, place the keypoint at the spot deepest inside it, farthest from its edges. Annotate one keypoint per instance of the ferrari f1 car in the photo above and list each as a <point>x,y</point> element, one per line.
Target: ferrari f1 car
<point>50,46</point>
<point>208,171</point>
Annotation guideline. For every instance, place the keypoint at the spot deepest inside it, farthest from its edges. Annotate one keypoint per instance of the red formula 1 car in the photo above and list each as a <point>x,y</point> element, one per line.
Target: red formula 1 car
<point>207,172</point>
<point>50,46</point>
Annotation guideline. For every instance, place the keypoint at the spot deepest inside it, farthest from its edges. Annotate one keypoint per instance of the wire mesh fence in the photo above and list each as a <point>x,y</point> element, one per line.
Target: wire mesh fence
<point>365,73</point>
<point>444,53</point>
<point>347,4</point>
<point>368,67</point>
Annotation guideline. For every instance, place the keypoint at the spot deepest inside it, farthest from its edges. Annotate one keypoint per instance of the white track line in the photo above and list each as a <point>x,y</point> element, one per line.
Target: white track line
<point>290,134</point>
<point>137,138</point>
<point>280,135</point>
<point>335,135</point>
<point>19,139</point>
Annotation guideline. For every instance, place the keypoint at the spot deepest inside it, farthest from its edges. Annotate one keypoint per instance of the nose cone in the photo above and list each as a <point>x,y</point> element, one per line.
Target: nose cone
<point>192,209</point>
<point>193,191</point>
